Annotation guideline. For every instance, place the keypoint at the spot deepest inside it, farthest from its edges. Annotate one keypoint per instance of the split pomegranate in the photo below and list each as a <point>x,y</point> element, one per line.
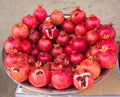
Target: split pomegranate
<point>20,31</point>
<point>82,80</point>
<point>77,16</point>
<point>49,30</point>
<point>57,17</point>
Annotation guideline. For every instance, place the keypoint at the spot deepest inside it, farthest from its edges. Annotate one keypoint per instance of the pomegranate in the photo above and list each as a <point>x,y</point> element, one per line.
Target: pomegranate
<point>45,44</point>
<point>80,29</point>
<point>34,36</point>
<point>61,79</point>
<point>91,37</point>
<point>109,44</point>
<point>83,80</point>
<point>30,21</point>
<point>10,59</point>
<point>68,26</point>
<point>61,58</point>
<point>49,30</point>
<point>92,22</point>
<point>40,13</point>
<point>20,71</point>
<point>79,45</point>
<point>107,59</point>
<point>62,38</point>
<point>56,50</point>
<point>39,77</point>
<point>68,49</point>
<point>91,66</point>
<point>12,45</point>
<point>57,17</point>
<point>35,51</point>
<point>106,31</point>
<point>20,31</point>
<point>77,16</point>
<point>44,57</point>
<point>26,46</point>
<point>76,58</point>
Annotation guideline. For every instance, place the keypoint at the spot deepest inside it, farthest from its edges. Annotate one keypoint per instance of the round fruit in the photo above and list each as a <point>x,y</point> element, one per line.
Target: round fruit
<point>83,80</point>
<point>68,26</point>
<point>45,44</point>
<point>57,17</point>
<point>30,21</point>
<point>39,77</point>
<point>92,22</point>
<point>61,79</point>
<point>20,31</point>
<point>20,71</point>
<point>77,16</point>
<point>40,13</point>
<point>107,59</point>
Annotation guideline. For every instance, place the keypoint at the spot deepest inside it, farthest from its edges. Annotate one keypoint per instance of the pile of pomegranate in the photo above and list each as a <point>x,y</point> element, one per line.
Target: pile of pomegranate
<point>60,51</point>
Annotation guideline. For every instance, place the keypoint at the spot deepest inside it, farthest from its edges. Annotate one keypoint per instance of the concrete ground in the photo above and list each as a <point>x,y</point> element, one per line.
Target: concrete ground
<point>11,12</point>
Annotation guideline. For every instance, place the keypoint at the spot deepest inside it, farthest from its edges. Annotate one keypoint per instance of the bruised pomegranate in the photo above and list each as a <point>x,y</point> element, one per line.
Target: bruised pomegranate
<point>39,77</point>
<point>83,80</point>
<point>57,17</point>
<point>40,13</point>
<point>49,30</point>
<point>77,16</point>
